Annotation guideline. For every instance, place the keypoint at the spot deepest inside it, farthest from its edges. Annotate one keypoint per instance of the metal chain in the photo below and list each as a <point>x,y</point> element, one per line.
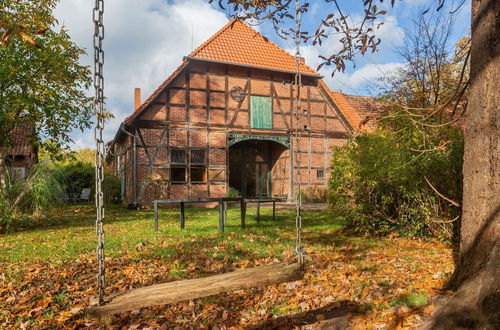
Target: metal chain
<point>97,16</point>
<point>298,84</point>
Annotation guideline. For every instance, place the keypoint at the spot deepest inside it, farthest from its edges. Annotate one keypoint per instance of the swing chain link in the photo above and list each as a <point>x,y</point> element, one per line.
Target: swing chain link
<point>299,250</point>
<point>97,16</point>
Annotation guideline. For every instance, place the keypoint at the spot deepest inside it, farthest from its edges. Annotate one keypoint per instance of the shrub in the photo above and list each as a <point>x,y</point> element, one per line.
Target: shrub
<point>378,181</point>
<point>22,203</point>
<point>314,194</point>
<point>111,189</point>
<point>77,175</point>
<point>39,191</point>
<point>74,176</point>
<point>232,193</point>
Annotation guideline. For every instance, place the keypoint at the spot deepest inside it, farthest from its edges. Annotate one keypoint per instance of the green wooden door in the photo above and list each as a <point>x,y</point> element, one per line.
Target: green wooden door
<point>262,112</point>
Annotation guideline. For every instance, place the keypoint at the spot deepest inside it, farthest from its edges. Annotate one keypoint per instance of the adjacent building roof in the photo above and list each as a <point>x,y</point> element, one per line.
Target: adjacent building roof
<point>367,107</point>
<point>237,43</point>
<point>345,107</point>
<point>20,136</point>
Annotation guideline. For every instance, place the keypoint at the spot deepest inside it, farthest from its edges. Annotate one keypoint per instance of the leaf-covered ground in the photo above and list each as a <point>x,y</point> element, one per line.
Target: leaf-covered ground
<point>47,276</point>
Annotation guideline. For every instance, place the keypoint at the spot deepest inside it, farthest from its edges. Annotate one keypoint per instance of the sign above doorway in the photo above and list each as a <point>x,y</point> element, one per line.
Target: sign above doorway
<point>234,138</point>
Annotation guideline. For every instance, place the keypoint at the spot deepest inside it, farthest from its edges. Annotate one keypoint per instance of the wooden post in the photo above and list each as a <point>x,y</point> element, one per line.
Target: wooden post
<point>156,216</point>
<point>182,218</point>
<point>274,210</point>
<point>221,217</point>
<point>243,207</point>
<point>258,212</point>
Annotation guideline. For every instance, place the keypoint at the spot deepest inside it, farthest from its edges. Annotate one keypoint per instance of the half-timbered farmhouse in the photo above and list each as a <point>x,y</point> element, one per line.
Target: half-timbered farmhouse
<point>226,119</point>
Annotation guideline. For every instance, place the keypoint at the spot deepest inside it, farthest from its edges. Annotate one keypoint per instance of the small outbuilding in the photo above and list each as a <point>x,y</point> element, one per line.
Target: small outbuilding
<point>22,155</point>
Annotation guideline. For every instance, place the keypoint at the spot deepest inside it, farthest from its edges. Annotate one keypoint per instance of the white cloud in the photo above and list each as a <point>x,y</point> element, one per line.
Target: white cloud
<point>369,68</point>
<point>363,80</point>
<point>145,41</point>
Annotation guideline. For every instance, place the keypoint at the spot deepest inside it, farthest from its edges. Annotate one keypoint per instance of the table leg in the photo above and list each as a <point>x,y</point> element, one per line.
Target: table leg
<point>258,212</point>
<point>225,213</point>
<point>274,211</point>
<point>243,210</point>
<point>182,217</point>
<point>221,217</point>
<point>156,217</point>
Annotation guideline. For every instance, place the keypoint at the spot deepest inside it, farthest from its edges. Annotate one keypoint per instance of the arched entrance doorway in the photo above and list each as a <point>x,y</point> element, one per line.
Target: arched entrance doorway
<point>250,167</point>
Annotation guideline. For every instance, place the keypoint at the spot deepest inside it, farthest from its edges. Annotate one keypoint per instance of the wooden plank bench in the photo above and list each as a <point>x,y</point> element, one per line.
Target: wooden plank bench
<point>173,292</point>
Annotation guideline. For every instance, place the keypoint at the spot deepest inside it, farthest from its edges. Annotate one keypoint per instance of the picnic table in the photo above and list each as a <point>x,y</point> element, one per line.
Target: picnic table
<point>222,208</point>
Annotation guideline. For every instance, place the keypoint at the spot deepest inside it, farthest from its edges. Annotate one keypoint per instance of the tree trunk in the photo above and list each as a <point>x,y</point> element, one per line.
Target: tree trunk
<point>3,169</point>
<point>476,303</point>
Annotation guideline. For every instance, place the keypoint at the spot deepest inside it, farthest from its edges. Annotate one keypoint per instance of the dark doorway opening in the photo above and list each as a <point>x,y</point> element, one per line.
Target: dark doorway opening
<point>250,166</point>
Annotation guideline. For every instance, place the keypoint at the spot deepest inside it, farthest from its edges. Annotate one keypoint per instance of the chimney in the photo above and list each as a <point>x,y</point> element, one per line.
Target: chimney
<point>302,60</point>
<point>137,98</point>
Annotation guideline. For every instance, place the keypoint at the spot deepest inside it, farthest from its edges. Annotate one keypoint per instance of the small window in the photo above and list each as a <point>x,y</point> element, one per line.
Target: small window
<point>320,174</point>
<point>178,174</point>
<point>198,174</point>
<point>178,156</point>
<point>198,157</point>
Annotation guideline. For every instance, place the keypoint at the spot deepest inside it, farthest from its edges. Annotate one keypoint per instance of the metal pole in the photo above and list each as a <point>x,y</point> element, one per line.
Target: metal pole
<point>134,163</point>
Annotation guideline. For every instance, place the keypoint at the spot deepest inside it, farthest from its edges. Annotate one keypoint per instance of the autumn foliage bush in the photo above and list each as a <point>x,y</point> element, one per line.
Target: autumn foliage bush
<point>378,181</point>
<point>23,203</point>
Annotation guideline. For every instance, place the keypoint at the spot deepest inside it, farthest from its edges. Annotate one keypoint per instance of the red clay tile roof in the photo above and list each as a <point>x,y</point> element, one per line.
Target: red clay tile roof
<point>350,113</point>
<point>20,136</point>
<point>368,108</point>
<point>156,93</point>
<point>238,43</point>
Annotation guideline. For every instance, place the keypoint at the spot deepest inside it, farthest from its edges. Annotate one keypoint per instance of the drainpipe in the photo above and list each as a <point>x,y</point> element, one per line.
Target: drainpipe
<point>134,163</point>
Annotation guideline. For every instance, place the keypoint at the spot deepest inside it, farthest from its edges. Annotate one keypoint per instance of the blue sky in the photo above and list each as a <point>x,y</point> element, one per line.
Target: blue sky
<point>146,39</point>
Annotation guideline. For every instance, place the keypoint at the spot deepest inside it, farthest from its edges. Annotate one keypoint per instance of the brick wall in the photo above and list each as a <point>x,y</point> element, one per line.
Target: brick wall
<point>195,113</point>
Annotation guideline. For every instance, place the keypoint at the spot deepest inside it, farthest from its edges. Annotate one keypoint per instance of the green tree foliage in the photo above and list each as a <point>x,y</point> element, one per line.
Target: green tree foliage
<point>75,171</point>
<point>42,84</point>
<point>378,181</point>
<point>407,175</point>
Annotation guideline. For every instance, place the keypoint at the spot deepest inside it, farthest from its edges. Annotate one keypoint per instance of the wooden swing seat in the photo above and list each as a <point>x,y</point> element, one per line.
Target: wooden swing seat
<point>177,291</point>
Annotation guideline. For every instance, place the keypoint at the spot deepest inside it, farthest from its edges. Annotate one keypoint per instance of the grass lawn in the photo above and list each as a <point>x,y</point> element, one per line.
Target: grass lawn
<point>48,275</point>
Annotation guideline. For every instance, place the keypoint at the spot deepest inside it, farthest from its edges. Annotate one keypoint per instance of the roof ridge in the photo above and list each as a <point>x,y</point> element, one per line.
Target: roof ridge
<point>216,34</point>
<point>257,33</point>
<point>281,49</point>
